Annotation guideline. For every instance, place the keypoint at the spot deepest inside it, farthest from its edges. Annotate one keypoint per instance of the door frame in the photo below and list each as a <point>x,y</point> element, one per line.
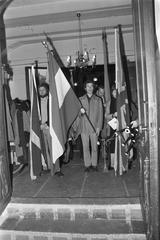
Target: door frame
<point>5,173</point>
<point>148,102</point>
<point>142,10</point>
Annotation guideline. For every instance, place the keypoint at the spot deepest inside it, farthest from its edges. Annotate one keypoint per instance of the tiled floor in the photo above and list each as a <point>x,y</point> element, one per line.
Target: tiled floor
<point>78,185</point>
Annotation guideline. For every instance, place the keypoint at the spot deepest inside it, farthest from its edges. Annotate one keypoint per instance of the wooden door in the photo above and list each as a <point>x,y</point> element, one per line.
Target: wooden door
<point>148,85</point>
<point>5,173</point>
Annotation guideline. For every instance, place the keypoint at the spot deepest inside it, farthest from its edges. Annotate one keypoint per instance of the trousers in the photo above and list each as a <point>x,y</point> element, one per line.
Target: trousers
<point>89,142</point>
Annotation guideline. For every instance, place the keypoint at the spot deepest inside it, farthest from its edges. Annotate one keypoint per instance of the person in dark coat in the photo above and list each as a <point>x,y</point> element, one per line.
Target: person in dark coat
<point>113,114</point>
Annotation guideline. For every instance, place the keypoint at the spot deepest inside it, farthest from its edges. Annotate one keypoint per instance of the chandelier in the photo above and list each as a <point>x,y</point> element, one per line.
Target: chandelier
<point>82,59</point>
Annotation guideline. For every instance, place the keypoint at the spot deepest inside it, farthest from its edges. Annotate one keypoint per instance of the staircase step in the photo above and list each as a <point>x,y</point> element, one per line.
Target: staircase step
<point>21,221</point>
<point>127,212</point>
<point>78,226</point>
<point>23,235</point>
<point>64,229</point>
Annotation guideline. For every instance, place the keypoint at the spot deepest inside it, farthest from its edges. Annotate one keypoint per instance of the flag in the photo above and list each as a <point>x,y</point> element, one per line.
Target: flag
<point>64,107</point>
<point>121,158</point>
<point>106,75</point>
<point>10,131</point>
<point>35,132</point>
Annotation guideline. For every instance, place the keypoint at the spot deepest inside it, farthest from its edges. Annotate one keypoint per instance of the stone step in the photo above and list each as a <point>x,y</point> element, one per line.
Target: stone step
<point>18,235</point>
<point>42,229</point>
<point>72,212</point>
<point>28,221</point>
<point>78,226</point>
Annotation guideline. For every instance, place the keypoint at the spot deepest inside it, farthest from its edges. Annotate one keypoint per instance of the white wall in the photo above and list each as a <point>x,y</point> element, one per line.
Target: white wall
<point>20,58</point>
<point>27,20</point>
<point>27,54</point>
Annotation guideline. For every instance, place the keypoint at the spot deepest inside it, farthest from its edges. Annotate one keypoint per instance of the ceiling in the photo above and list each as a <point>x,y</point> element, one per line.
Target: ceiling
<point>27,20</point>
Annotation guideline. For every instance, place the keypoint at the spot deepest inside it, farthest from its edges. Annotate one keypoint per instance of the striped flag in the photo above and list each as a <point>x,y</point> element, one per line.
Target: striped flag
<point>64,107</point>
<point>121,159</point>
<point>35,132</point>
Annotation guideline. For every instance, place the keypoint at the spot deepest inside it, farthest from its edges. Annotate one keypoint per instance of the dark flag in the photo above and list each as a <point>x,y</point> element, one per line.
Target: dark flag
<point>121,158</point>
<point>106,75</point>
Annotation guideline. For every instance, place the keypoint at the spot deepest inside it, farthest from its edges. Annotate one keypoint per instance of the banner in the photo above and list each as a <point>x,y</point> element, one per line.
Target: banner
<point>106,75</point>
<point>35,132</point>
<point>121,158</point>
<point>64,107</point>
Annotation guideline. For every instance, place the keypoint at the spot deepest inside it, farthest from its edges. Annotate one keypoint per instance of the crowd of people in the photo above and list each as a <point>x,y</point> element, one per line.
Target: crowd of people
<point>91,124</point>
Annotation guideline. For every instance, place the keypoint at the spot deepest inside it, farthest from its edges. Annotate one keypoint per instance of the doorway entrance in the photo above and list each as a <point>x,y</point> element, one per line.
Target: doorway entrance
<point>76,184</point>
<point>148,105</point>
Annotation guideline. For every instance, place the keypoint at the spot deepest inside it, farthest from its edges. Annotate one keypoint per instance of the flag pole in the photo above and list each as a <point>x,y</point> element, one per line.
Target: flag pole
<point>116,138</point>
<point>54,51</point>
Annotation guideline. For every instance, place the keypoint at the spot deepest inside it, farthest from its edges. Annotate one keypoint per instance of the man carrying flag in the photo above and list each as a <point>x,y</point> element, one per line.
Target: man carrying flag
<point>121,158</point>
<point>64,107</point>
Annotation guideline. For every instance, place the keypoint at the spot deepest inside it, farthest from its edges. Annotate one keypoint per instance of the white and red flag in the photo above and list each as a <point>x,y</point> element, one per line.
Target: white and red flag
<point>35,132</point>
<point>64,107</point>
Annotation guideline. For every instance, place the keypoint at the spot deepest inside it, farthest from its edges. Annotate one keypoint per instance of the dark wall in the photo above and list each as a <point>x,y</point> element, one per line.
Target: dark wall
<point>80,75</point>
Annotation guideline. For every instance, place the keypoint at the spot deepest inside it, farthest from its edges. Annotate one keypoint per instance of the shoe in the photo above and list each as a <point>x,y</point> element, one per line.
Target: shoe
<point>87,169</point>
<point>110,168</point>
<point>65,162</point>
<point>94,168</point>
<point>130,164</point>
<point>45,172</point>
<point>59,174</point>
